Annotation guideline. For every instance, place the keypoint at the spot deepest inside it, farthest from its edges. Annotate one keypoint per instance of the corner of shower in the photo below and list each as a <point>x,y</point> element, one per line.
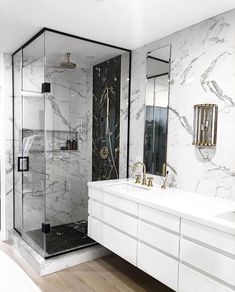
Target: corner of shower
<point>56,135</point>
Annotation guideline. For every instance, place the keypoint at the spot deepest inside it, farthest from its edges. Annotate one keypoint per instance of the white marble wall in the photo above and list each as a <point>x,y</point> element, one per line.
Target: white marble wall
<point>202,71</point>
<point>7,95</point>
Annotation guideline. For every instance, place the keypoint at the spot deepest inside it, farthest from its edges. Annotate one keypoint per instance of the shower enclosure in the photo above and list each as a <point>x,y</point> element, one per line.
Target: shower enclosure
<point>70,127</point>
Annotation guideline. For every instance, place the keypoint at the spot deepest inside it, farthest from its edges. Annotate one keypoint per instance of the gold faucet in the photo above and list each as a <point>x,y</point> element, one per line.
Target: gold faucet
<point>144,181</point>
<point>165,174</point>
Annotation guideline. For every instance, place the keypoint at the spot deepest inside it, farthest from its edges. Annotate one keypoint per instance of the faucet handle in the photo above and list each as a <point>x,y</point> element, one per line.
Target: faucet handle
<point>150,181</point>
<point>138,179</point>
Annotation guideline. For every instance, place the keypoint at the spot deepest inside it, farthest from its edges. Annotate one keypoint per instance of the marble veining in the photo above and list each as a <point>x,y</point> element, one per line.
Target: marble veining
<point>106,119</point>
<point>202,71</point>
<point>62,237</point>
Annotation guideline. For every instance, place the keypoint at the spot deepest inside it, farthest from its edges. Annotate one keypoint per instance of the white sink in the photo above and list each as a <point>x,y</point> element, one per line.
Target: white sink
<point>228,216</point>
<point>128,187</point>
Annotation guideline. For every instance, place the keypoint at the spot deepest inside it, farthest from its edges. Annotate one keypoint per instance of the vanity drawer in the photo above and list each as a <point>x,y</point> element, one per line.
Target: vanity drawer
<point>159,238</point>
<point>118,242</point>
<point>192,281</point>
<point>158,265</point>
<point>210,236</point>
<point>160,218</point>
<point>112,217</point>
<point>209,261</point>
<point>113,201</point>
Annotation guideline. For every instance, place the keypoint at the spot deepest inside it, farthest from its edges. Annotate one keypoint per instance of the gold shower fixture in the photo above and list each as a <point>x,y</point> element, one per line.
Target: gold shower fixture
<point>67,64</point>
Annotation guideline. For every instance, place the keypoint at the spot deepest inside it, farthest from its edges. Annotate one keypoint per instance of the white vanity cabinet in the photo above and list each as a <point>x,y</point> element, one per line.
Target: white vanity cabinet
<point>158,265</point>
<point>208,257</point>
<point>191,280</point>
<point>112,222</point>
<point>114,240</point>
<point>158,245</point>
<point>144,236</point>
<point>184,255</point>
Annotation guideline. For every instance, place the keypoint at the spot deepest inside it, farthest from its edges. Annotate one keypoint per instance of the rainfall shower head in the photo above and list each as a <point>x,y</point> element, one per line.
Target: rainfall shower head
<point>67,64</point>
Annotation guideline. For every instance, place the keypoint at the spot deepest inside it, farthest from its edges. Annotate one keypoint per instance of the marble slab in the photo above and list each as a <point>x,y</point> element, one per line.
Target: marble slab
<point>106,119</point>
<point>202,71</point>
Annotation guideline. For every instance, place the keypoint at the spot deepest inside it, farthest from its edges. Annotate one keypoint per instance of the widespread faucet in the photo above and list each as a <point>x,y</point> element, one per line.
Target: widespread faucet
<point>144,181</point>
<point>165,175</point>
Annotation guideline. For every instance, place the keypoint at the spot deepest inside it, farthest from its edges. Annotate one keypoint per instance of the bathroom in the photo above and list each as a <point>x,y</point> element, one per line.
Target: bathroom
<point>117,158</point>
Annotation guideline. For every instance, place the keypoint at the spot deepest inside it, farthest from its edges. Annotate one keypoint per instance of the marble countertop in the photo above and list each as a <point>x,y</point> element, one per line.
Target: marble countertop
<point>188,205</point>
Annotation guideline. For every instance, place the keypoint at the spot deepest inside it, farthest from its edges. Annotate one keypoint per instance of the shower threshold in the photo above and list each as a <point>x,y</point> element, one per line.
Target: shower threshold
<point>61,238</point>
<point>42,265</point>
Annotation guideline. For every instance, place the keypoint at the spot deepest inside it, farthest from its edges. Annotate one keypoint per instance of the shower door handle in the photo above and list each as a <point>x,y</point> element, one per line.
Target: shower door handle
<point>23,163</point>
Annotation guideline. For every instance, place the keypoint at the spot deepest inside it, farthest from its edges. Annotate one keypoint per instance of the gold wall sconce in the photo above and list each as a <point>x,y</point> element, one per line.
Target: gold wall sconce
<point>205,125</point>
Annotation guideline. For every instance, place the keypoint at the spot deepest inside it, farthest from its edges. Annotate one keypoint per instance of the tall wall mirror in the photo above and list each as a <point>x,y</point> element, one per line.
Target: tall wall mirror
<point>156,110</point>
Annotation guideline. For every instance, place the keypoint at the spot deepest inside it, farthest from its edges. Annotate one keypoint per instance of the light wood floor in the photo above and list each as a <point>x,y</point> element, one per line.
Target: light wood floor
<point>107,274</point>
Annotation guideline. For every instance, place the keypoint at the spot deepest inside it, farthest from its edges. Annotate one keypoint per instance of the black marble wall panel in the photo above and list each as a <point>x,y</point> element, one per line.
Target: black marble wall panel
<point>106,119</point>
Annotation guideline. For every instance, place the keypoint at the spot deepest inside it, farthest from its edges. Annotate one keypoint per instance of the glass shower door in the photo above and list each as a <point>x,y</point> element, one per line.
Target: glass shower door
<point>54,135</point>
<point>32,161</point>
<point>68,144</point>
<point>17,140</point>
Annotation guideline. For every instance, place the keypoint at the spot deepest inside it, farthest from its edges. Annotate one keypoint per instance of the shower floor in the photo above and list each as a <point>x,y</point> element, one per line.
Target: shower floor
<point>62,237</point>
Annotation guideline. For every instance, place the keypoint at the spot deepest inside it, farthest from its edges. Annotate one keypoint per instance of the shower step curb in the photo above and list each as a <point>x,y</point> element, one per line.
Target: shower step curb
<point>43,266</point>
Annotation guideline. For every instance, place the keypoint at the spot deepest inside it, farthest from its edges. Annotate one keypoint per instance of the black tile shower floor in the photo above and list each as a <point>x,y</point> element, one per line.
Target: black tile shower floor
<point>62,237</point>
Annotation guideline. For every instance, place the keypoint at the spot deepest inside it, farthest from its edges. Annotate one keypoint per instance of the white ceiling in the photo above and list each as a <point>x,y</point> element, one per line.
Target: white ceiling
<point>125,23</point>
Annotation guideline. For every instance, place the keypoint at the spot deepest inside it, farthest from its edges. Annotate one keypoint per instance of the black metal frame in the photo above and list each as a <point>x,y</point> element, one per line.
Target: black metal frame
<point>158,59</point>
<point>45,29</point>
<point>158,75</point>
<point>169,88</point>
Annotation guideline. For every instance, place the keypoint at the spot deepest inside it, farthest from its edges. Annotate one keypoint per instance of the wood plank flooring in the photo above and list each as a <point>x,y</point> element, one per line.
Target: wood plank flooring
<point>107,274</point>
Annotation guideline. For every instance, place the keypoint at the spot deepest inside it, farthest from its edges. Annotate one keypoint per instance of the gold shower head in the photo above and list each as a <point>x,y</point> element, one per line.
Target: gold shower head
<point>67,64</point>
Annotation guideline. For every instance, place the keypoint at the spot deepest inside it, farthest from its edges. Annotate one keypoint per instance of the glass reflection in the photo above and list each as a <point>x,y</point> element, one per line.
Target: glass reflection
<point>156,110</point>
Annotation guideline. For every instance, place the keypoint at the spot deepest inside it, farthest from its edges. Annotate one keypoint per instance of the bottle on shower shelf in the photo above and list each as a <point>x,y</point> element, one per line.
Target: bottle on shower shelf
<point>68,144</point>
<point>74,144</point>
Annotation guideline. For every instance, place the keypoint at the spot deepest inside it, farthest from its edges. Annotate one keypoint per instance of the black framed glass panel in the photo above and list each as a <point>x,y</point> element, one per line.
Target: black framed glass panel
<point>156,110</point>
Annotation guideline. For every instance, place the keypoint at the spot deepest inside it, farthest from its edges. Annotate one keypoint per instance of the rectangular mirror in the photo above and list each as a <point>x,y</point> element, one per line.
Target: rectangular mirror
<point>156,110</point>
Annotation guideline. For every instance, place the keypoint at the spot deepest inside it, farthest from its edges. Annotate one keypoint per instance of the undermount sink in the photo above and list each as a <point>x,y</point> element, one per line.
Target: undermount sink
<point>128,187</point>
<point>228,216</point>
